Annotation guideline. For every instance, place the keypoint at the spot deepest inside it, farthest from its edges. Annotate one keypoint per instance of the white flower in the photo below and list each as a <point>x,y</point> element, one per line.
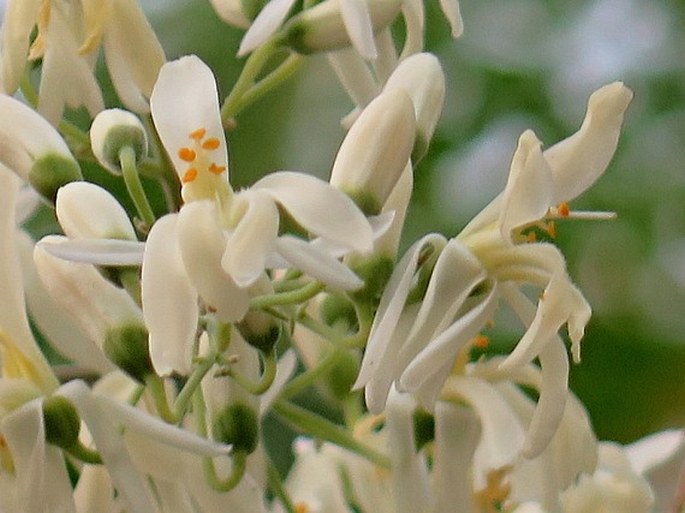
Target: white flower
<point>69,33</point>
<point>415,344</point>
<point>221,242</point>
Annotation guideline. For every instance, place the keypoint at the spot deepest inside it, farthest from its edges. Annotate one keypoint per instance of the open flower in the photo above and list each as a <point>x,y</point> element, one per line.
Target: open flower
<point>415,345</point>
<point>69,35</point>
<point>221,241</point>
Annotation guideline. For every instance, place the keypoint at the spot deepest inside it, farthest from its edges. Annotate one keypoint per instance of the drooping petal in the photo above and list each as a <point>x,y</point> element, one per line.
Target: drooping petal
<point>19,19</point>
<point>202,244</point>
<point>169,300</point>
<point>42,480</point>
<point>354,75</point>
<point>414,15</point>
<point>357,19</point>
<point>183,101</point>
<point>457,432</point>
<point>578,161</point>
<point>317,263</point>
<point>253,239</point>
<point>530,190</point>
<point>94,491</point>
<point>391,305</point>
<point>450,8</point>
<point>269,19</point>
<point>320,208</point>
<point>133,54</point>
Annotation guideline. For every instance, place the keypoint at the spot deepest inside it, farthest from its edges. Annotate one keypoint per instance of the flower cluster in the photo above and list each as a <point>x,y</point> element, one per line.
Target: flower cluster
<point>192,310</point>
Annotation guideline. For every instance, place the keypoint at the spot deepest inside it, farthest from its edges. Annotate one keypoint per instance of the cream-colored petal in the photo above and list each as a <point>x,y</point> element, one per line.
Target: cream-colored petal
<point>253,239</point>
<point>450,8</point>
<point>202,243</point>
<point>267,22</point>
<point>354,75</point>
<point>319,208</point>
<point>414,16</point>
<point>184,100</point>
<point>357,19</point>
<point>578,161</point>
<point>170,305</point>
<point>19,20</point>
<point>317,263</point>
<point>114,252</point>
<point>133,54</point>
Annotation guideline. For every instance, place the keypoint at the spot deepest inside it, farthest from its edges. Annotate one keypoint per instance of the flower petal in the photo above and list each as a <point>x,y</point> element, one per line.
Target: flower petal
<point>192,80</point>
<point>354,75</point>
<point>169,300</point>
<point>202,244</point>
<point>317,263</point>
<point>19,20</point>
<point>357,20</point>
<point>578,161</point>
<point>450,8</point>
<point>269,19</point>
<point>97,251</point>
<point>320,208</point>
<point>253,239</point>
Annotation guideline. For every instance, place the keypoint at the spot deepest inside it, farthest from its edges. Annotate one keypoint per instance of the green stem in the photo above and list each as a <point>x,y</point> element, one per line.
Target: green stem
<point>276,486</point>
<point>287,298</point>
<point>318,427</point>
<point>239,464</point>
<point>83,453</point>
<point>309,377</point>
<point>186,394</point>
<point>155,385</point>
<point>265,381</point>
<point>127,159</point>
<point>130,280</point>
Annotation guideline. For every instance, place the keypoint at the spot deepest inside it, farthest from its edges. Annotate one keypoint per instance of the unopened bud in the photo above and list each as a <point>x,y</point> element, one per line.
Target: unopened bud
<point>261,330</point>
<point>340,379</point>
<point>422,78</point>
<point>375,272</point>
<point>238,425</point>
<point>127,347</point>
<point>322,29</point>
<point>51,171</point>
<point>376,150</point>
<point>75,205</point>
<point>62,423</point>
<point>111,131</point>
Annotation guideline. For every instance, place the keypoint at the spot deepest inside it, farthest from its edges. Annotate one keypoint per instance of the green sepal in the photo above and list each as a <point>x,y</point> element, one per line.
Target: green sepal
<point>123,136</point>
<point>127,347</point>
<point>52,171</point>
<point>62,422</point>
<point>424,428</point>
<point>238,425</point>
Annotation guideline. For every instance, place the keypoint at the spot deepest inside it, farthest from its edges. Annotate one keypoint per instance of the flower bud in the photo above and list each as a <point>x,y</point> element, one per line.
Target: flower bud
<point>62,423</point>
<point>376,150</point>
<point>422,78</point>
<point>261,330</point>
<point>51,171</point>
<point>127,347</point>
<point>111,131</point>
<point>322,29</point>
<point>237,13</point>
<point>237,424</point>
<point>75,205</point>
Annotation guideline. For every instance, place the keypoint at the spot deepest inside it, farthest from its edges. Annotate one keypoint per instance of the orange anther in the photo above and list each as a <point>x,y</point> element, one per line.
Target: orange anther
<point>189,175</point>
<point>301,507</point>
<point>217,170</point>
<point>532,237</point>
<point>563,209</point>
<point>211,144</point>
<point>481,341</point>
<point>197,134</point>
<point>551,229</point>
<point>187,154</point>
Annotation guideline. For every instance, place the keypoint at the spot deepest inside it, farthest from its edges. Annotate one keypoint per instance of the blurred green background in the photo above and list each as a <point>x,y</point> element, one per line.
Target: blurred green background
<point>523,64</point>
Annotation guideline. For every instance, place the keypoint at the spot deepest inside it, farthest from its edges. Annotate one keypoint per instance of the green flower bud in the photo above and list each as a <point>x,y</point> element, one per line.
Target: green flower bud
<point>261,330</point>
<point>237,424</point>
<point>51,171</point>
<point>111,131</point>
<point>62,423</point>
<point>375,272</point>
<point>321,28</point>
<point>336,310</point>
<point>340,379</point>
<point>127,347</point>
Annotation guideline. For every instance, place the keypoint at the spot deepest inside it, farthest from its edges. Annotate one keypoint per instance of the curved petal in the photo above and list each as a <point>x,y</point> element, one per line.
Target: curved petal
<point>320,208</point>
<point>578,161</point>
<point>357,20</point>
<point>354,75</point>
<point>169,300</point>
<point>529,191</point>
<point>113,252</point>
<point>253,239</point>
<point>450,8</point>
<point>267,22</point>
<point>202,244</point>
<point>19,19</point>
<point>390,307</point>
<point>184,100</point>
<point>317,263</point>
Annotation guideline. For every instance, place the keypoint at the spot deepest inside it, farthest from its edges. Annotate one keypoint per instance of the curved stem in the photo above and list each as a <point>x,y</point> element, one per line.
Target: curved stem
<point>309,377</point>
<point>155,385</point>
<point>127,159</point>
<point>83,453</point>
<point>287,298</point>
<point>318,427</point>
<point>239,464</point>
<point>265,381</point>
<point>186,394</point>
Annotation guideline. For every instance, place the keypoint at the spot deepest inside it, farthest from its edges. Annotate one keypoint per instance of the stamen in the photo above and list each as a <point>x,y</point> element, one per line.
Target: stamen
<point>563,209</point>
<point>481,342</point>
<point>532,237</point>
<point>189,175</point>
<point>301,507</point>
<point>551,229</point>
<point>197,134</point>
<point>187,154</point>
<point>211,144</point>
<point>217,170</point>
